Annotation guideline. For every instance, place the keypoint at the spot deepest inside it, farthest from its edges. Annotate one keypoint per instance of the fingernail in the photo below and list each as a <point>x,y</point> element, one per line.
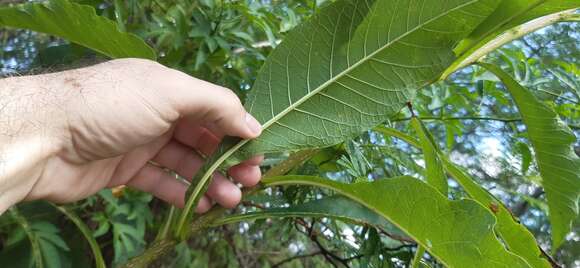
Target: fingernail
<point>253,124</point>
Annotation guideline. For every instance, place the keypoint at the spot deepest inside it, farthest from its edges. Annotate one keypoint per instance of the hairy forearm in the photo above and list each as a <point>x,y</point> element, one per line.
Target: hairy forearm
<point>28,109</point>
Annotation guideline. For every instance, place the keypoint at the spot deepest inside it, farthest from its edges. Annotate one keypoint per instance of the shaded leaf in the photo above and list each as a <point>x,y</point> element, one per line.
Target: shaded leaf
<point>458,233</point>
<point>77,23</point>
<point>552,141</point>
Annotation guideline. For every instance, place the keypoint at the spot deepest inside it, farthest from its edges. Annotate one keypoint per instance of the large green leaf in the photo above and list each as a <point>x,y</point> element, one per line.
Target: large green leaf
<point>350,67</point>
<point>434,173</point>
<point>77,23</point>
<point>517,238</point>
<point>509,14</point>
<point>458,233</point>
<point>559,165</point>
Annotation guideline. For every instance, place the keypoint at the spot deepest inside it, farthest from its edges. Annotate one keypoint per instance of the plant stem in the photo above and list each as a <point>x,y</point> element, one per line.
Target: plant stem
<point>294,160</point>
<point>418,256</point>
<point>509,36</point>
<point>482,118</point>
<point>164,245</point>
<point>32,237</point>
<point>86,232</point>
<point>164,233</point>
<point>157,250</point>
<point>200,184</point>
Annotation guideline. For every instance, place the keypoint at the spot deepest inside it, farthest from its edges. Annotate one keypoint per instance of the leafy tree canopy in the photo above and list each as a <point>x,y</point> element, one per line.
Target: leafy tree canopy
<point>397,133</point>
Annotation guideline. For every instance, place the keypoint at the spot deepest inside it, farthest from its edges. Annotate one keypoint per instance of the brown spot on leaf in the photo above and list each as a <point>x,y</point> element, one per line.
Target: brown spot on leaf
<point>494,207</point>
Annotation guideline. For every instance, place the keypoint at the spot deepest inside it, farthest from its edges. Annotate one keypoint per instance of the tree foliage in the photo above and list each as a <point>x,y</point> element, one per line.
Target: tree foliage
<point>386,145</point>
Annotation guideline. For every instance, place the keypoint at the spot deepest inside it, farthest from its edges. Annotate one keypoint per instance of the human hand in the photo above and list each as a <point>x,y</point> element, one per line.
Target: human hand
<point>103,126</point>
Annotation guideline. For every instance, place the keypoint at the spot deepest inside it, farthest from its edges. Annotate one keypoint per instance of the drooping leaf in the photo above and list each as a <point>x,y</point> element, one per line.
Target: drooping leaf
<point>518,239</point>
<point>433,168</point>
<point>77,23</point>
<point>434,173</point>
<point>398,134</point>
<point>458,233</point>
<point>570,80</point>
<point>509,14</point>
<point>552,141</point>
<point>350,67</point>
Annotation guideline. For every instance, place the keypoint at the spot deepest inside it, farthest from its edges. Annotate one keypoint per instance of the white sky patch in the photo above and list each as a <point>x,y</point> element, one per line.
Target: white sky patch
<point>349,238</point>
<point>491,150</point>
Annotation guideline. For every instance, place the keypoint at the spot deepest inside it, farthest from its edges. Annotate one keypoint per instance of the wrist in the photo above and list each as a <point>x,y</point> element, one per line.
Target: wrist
<point>28,128</point>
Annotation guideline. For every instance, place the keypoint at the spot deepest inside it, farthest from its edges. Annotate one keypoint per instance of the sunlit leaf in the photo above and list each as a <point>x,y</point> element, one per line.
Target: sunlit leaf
<point>518,239</point>
<point>458,233</point>
<point>552,141</point>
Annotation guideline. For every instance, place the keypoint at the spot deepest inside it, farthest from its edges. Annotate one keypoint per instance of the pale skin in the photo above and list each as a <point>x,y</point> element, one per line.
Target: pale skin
<point>65,136</point>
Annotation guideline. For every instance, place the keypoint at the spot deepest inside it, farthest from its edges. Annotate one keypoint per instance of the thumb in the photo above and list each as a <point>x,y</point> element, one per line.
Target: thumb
<point>217,106</point>
<point>229,117</point>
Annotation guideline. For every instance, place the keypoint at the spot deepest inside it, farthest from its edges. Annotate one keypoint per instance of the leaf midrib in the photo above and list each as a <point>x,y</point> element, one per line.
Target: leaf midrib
<point>203,181</point>
<point>306,97</point>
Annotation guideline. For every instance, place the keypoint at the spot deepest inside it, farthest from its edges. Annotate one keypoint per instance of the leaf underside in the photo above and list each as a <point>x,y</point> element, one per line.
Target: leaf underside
<point>352,66</point>
<point>77,23</point>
